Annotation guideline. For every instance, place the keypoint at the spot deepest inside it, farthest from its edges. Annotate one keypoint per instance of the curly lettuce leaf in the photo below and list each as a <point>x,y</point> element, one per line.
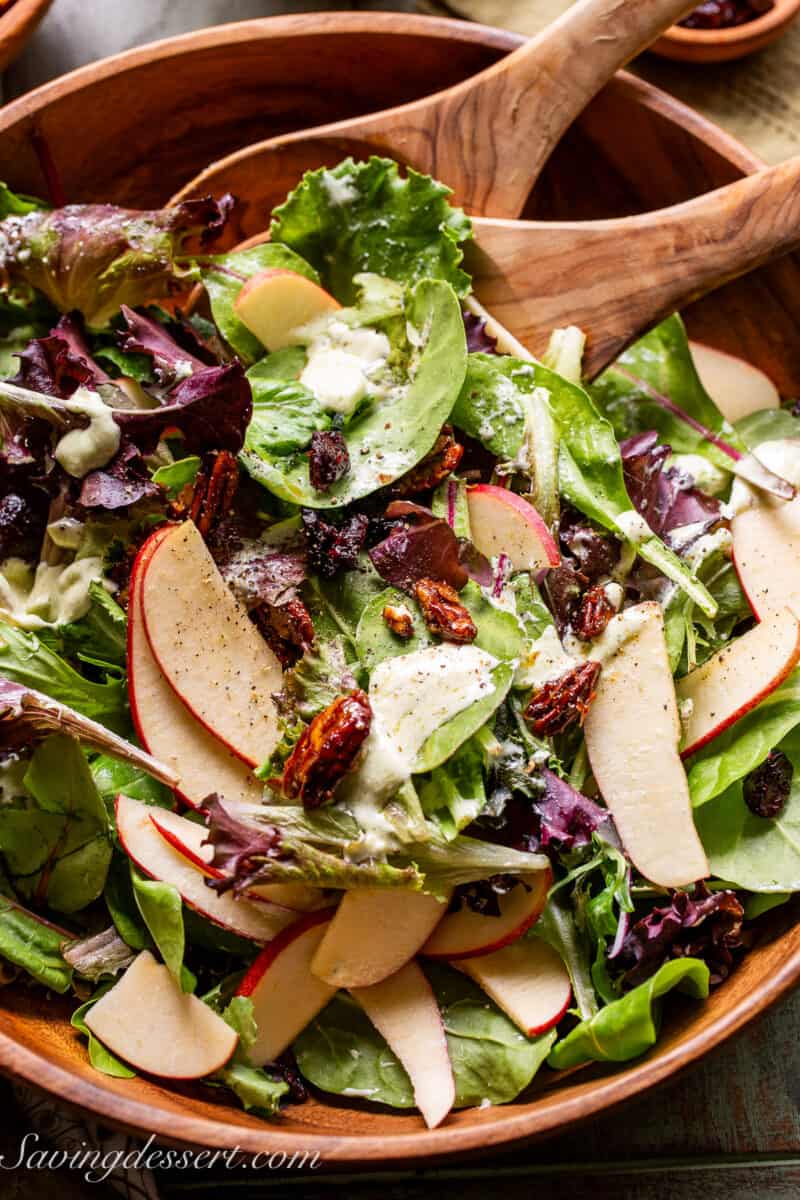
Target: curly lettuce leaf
<point>629,1026</point>
<point>361,217</point>
<point>390,436</point>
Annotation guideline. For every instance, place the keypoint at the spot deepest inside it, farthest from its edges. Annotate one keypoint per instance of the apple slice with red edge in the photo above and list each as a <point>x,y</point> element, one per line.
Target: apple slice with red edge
<point>737,678</point>
<point>632,734</point>
<point>149,1022</point>
<point>464,934</point>
<point>207,647</point>
<point>276,302</point>
<point>165,726</point>
<point>527,980</point>
<point>404,1011</point>
<point>766,535</point>
<point>501,522</point>
<point>156,858</point>
<point>736,387</point>
<point>374,933</point>
<point>286,995</point>
<point>189,839</point>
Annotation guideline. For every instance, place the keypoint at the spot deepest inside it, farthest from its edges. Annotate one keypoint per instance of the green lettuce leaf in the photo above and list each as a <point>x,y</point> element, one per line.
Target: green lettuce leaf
<point>161,909</point>
<point>175,477</point>
<point>111,776</point>
<point>34,945</point>
<point>361,217</point>
<point>100,637</point>
<point>100,1057</point>
<point>768,425</point>
<point>628,1027</point>
<point>389,437</point>
<point>455,793</point>
<point>15,204</point>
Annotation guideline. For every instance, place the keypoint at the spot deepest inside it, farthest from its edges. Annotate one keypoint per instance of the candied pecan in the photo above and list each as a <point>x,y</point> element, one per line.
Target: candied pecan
<point>595,612</point>
<point>211,496</point>
<point>443,611</point>
<point>438,463</point>
<point>328,459</point>
<point>398,618</point>
<point>286,628</point>
<point>559,703</point>
<point>766,789</point>
<point>326,751</point>
<point>330,547</point>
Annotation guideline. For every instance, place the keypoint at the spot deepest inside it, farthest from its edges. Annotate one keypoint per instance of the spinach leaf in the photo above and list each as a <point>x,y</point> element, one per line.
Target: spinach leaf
<point>121,904</point>
<point>342,1052</point>
<point>557,927</point>
<point>445,740</point>
<point>34,945</point>
<point>285,413</point>
<point>111,776</point>
<point>629,1026</point>
<point>389,437</point>
<point>223,277</point>
<point>491,408</point>
<point>375,641</point>
<point>746,743</point>
<point>161,909</point>
<point>176,476</point>
<point>768,425</point>
<point>361,217</point>
<point>99,1056</point>
<point>58,850</point>
<point>25,659</point>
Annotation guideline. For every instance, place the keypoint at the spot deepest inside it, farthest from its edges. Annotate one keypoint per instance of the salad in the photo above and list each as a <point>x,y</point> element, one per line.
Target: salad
<point>383,711</point>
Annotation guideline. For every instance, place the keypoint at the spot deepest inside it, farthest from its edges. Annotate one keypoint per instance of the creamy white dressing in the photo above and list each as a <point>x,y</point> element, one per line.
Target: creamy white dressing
<point>633,527</point>
<point>682,535</point>
<point>339,191</point>
<point>411,696</point>
<point>50,595</point>
<point>547,659</point>
<point>708,477</point>
<point>82,450</point>
<point>344,363</point>
<point>721,539</point>
<point>619,630</point>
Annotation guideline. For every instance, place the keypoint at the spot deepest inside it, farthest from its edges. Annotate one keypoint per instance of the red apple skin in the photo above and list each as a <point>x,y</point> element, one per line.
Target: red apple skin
<point>267,956</point>
<point>537,1029</point>
<point>539,899</point>
<point>508,499</point>
<point>137,570</point>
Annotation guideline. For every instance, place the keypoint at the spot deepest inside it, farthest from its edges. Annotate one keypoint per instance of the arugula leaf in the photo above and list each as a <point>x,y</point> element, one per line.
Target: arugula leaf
<point>161,909</point>
<point>387,438</point>
<point>491,407</point>
<point>361,217</point>
<point>99,1056</point>
<point>25,659</point>
<point>34,944</point>
<point>627,1027</point>
<point>223,277</point>
<point>745,744</point>
<point>59,849</point>
<point>342,1052</point>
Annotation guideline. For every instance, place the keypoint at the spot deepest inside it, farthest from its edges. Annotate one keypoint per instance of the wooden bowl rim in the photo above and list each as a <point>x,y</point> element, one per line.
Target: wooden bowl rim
<point>553,1111</point>
<point>19,13</point>
<point>761,27</point>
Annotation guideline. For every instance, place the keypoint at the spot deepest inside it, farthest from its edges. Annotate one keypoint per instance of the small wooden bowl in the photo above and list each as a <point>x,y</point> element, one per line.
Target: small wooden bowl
<point>724,45</point>
<point>133,130</point>
<point>17,23</point>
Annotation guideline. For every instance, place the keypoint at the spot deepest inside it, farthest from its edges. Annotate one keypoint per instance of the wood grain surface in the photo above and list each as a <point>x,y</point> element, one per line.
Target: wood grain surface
<point>16,26</point>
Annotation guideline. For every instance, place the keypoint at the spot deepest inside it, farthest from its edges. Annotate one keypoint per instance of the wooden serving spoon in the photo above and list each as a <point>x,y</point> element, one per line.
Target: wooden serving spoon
<point>488,137</point>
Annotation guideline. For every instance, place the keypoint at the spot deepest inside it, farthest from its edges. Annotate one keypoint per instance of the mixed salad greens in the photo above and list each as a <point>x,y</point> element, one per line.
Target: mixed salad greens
<point>381,712</point>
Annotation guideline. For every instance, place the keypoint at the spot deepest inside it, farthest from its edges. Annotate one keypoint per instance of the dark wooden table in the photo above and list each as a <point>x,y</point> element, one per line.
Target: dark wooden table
<point>728,1129</point>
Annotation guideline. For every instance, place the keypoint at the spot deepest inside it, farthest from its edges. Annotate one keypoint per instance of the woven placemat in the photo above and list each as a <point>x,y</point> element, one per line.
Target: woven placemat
<point>756,99</point>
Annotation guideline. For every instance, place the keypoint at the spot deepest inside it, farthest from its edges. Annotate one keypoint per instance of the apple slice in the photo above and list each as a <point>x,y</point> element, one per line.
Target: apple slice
<point>766,535</point>
<point>632,733</point>
<point>188,839</point>
<point>285,993</point>
<point>276,302</point>
<point>503,523</point>
<point>155,857</point>
<point>207,647</point>
<point>403,1009</point>
<point>738,677</point>
<point>374,933</point>
<point>736,387</point>
<point>464,934</point>
<point>150,1023</point>
<point>527,979</point>
<point>165,726</point>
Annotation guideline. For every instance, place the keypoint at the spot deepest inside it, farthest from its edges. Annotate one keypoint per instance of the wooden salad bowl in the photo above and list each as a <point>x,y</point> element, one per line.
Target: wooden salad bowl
<point>17,23</point>
<point>136,127</point>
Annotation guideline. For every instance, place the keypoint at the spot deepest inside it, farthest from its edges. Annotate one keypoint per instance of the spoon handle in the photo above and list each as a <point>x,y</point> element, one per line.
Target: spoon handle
<point>490,136</point>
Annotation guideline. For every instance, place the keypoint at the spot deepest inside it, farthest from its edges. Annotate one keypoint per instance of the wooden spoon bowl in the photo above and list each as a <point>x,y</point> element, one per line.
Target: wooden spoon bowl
<point>149,120</point>
<point>17,23</point>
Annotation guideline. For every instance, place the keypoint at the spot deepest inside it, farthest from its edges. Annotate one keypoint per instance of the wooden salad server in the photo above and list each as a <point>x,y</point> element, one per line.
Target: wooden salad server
<point>488,137</point>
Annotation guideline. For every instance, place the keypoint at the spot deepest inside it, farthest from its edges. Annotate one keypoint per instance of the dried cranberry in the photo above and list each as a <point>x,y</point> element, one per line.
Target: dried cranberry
<point>766,789</point>
<point>328,459</point>
<point>330,547</point>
